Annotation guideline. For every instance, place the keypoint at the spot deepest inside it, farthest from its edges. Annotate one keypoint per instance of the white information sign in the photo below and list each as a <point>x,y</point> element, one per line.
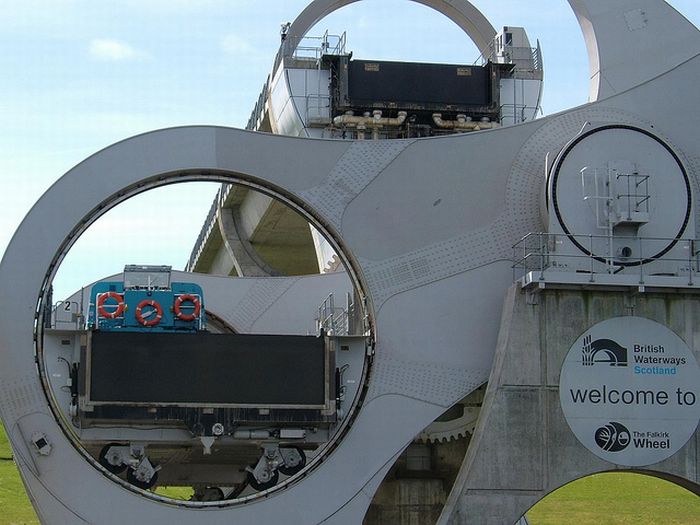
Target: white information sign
<point>630,391</point>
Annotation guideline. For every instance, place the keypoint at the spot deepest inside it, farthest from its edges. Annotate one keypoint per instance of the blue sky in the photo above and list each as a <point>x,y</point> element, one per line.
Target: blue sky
<point>79,75</point>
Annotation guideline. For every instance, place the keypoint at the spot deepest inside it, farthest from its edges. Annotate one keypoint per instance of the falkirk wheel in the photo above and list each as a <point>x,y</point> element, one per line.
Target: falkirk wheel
<point>425,228</point>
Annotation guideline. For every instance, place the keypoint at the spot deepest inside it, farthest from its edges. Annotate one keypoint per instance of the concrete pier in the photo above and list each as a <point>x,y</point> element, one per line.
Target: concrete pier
<point>523,448</point>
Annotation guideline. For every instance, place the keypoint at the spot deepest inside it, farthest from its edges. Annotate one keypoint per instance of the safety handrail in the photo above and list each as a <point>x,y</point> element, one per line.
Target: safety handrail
<point>335,320</point>
<point>208,226</point>
<point>535,252</point>
<point>314,47</point>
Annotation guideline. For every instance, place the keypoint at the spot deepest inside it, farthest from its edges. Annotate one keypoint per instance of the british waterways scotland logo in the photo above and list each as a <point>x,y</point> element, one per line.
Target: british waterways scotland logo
<point>629,391</point>
<point>603,351</point>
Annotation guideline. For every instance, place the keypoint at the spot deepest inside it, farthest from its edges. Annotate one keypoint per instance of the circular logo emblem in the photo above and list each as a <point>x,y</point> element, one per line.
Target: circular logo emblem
<point>613,437</point>
<point>629,390</point>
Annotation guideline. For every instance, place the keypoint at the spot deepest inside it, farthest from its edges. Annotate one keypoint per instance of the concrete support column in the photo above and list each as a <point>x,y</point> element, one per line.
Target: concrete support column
<point>246,262</point>
<point>523,448</point>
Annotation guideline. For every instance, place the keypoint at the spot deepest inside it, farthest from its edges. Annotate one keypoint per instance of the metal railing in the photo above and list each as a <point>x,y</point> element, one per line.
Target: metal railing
<point>530,57</point>
<point>208,226</point>
<point>331,319</point>
<point>617,197</point>
<point>517,112</point>
<point>315,47</point>
<point>307,48</point>
<point>537,57</point>
<point>259,107</point>
<point>67,315</point>
<point>594,255</point>
<point>339,320</point>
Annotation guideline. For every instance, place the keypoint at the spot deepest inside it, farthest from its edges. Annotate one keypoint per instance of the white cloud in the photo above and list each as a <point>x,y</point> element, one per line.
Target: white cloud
<point>235,45</point>
<point>248,49</point>
<point>107,49</point>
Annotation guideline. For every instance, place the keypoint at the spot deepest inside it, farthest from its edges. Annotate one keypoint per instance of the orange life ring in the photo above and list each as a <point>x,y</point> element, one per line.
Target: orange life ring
<point>102,298</point>
<point>177,307</point>
<point>157,308</point>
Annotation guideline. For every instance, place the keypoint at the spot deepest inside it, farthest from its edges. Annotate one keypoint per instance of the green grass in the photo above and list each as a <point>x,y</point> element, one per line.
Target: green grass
<point>183,493</point>
<point>15,508</point>
<point>618,498</point>
<point>602,499</point>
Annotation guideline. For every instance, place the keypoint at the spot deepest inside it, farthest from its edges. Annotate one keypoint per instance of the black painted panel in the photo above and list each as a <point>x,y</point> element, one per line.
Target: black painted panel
<point>418,83</point>
<point>239,369</point>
